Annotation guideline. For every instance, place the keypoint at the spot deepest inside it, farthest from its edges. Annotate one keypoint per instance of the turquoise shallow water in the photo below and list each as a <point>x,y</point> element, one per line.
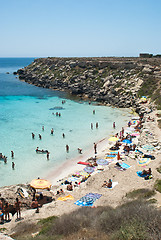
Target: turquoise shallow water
<point>25,109</point>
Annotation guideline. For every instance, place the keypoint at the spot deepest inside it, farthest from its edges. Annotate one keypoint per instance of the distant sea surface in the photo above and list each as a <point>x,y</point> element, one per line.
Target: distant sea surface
<point>26,108</point>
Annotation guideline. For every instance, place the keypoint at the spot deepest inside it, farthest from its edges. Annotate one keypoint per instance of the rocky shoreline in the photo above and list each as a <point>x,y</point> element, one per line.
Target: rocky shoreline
<point>114,81</point>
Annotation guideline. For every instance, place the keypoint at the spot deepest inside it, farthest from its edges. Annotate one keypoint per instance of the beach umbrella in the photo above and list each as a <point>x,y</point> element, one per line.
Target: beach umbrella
<point>89,169</point>
<point>113,139</point>
<point>126,141</point>
<point>102,162</point>
<point>144,161</point>
<point>40,184</point>
<point>148,147</point>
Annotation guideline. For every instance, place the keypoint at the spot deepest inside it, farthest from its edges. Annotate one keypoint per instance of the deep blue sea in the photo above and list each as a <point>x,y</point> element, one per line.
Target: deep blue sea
<point>24,109</point>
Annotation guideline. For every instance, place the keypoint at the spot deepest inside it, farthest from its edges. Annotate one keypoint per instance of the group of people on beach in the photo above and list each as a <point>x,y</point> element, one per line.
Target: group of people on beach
<point>6,209</point>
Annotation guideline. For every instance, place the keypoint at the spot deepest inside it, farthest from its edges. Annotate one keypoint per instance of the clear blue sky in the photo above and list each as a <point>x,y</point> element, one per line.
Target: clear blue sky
<point>42,28</point>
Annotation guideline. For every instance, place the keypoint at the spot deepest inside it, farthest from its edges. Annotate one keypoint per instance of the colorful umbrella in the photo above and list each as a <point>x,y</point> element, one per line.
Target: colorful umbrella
<point>102,162</point>
<point>113,139</point>
<point>89,169</point>
<point>40,184</point>
<point>148,147</point>
<point>144,161</point>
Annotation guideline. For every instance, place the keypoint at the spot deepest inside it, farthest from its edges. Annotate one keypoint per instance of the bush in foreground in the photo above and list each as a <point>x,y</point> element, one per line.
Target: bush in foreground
<point>136,220</point>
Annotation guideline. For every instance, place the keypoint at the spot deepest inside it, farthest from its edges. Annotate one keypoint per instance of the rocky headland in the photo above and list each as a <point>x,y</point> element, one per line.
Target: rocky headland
<point>115,81</point>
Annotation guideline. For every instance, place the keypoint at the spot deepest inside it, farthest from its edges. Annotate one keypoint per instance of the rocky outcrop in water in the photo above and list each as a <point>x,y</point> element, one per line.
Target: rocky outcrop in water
<point>114,81</point>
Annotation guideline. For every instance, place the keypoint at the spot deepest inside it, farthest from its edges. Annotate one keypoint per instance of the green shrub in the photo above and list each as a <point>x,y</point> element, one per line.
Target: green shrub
<point>158,185</point>
<point>141,193</point>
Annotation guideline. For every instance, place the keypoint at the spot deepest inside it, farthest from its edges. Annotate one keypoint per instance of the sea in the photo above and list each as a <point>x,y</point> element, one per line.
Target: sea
<point>25,109</point>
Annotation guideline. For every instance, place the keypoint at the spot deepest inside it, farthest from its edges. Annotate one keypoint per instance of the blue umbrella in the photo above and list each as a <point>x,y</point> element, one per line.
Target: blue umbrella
<point>127,141</point>
<point>102,162</point>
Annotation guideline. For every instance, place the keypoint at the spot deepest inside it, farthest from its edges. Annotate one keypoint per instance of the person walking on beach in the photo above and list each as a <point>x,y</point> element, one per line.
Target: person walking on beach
<point>52,131</point>
<point>17,206</point>
<point>33,135</point>
<point>40,136</point>
<point>12,154</point>
<point>114,125</point>
<point>13,165</point>
<point>92,126</point>
<point>67,148</point>
<point>95,148</point>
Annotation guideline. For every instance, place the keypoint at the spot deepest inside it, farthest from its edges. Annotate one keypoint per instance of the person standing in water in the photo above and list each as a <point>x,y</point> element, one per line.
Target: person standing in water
<point>47,155</point>
<point>92,126</point>
<point>63,135</point>
<point>40,136</point>
<point>52,131</point>
<point>13,165</point>
<point>12,154</point>
<point>96,124</point>
<point>67,148</point>
<point>94,112</point>
<point>42,128</point>
<point>114,125</point>
<point>33,135</point>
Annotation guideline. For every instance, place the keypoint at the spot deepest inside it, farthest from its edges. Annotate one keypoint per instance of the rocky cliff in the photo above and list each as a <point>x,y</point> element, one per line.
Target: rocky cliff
<point>115,81</point>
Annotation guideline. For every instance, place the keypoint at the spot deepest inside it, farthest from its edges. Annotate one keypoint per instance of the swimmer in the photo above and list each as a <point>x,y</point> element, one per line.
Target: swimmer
<point>47,155</point>
<point>40,136</point>
<point>12,154</point>
<point>33,135</point>
<point>59,114</point>
<point>67,148</point>
<point>80,150</point>
<point>63,135</point>
<point>13,165</point>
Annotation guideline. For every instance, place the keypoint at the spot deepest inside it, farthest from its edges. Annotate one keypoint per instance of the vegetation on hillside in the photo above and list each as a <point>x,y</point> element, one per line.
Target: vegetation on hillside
<point>137,220</point>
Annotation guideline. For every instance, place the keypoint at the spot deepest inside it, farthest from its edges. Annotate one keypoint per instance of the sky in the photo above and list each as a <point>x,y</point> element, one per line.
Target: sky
<point>79,28</point>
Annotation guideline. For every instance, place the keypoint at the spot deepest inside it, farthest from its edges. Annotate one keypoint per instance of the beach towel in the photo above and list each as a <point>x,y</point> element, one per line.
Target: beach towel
<point>83,163</point>
<point>73,179</point>
<point>139,173</point>
<point>84,174</point>
<point>110,155</point>
<point>88,199</point>
<point>70,197</point>
<point>124,165</point>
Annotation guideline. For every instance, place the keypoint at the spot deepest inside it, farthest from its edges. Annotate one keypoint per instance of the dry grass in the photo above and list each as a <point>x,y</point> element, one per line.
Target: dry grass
<point>136,220</point>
